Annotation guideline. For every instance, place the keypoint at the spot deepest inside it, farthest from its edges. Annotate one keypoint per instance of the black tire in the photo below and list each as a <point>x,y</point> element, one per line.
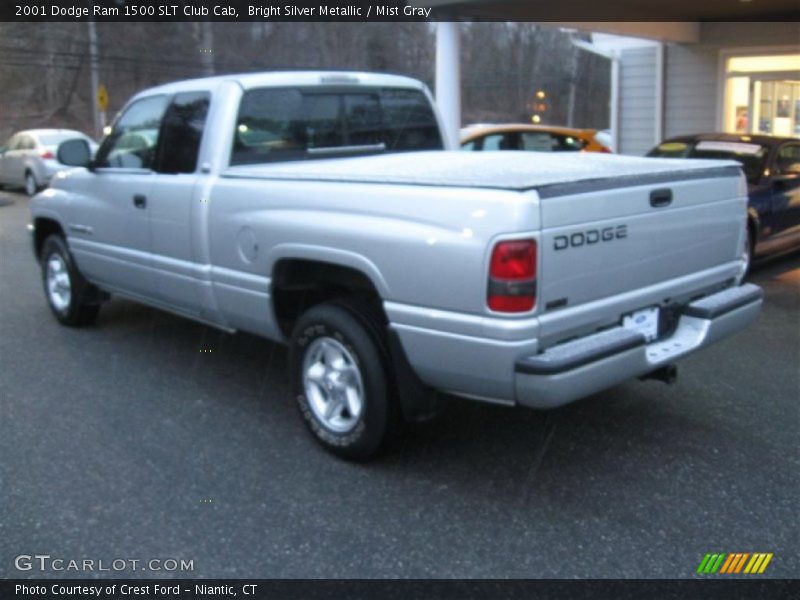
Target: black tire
<point>357,329</point>
<point>83,303</point>
<point>31,185</point>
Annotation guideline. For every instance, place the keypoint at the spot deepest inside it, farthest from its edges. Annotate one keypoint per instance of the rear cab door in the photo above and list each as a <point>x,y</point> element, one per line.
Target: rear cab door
<point>176,202</point>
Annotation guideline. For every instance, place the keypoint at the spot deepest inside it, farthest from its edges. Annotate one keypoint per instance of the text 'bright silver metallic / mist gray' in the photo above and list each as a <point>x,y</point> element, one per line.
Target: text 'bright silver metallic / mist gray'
<point>523,278</point>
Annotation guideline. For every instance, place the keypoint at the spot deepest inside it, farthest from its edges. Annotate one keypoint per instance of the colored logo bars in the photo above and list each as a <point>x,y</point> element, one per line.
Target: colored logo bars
<point>734,563</point>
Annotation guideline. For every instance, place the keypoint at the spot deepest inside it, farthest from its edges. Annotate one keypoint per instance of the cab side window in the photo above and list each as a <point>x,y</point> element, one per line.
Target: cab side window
<point>133,140</point>
<point>788,159</point>
<point>181,132</point>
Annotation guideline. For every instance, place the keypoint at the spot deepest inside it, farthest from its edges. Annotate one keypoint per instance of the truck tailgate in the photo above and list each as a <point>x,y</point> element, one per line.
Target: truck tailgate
<point>599,242</point>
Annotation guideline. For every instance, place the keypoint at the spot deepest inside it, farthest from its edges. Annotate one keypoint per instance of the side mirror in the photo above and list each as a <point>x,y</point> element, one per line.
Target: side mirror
<point>74,153</point>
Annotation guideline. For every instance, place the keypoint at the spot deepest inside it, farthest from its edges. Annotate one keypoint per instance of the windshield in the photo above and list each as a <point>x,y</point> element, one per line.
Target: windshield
<point>751,156</point>
<point>281,124</point>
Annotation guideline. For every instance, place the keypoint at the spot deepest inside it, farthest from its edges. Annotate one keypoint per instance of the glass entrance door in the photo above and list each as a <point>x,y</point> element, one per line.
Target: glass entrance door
<point>762,95</point>
<point>775,106</point>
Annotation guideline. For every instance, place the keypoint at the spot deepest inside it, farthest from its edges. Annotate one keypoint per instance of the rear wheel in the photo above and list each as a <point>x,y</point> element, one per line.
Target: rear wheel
<point>31,185</point>
<point>73,300</point>
<point>340,374</point>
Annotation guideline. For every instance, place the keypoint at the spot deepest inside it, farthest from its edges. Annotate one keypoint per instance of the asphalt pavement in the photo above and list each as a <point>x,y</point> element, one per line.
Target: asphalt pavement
<point>148,436</point>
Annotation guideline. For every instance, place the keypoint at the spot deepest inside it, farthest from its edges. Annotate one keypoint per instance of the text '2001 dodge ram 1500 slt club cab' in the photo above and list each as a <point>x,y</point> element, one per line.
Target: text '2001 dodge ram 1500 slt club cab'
<point>322,210</point>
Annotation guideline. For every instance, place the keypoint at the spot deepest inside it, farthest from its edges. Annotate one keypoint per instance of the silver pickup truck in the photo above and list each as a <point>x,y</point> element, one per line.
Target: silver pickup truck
<point>322,210</point>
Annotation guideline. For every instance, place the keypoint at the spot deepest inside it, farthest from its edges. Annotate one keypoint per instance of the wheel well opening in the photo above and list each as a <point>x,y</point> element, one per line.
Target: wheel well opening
<point>297,285</point>
<point>43,229</point>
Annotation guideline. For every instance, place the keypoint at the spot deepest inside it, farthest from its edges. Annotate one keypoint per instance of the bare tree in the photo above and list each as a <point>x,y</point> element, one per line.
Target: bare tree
<point>44,79</point>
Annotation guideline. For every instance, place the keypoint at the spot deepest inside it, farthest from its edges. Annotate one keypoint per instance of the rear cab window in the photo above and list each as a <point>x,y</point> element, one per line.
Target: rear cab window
<point>302,123</point>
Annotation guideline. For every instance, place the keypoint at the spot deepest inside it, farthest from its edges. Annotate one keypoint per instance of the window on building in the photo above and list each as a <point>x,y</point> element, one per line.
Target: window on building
<point>762,95</point>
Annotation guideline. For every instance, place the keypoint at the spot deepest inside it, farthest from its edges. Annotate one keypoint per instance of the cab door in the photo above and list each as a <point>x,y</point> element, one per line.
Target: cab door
<point>174,204</point>
<point>109,226</point>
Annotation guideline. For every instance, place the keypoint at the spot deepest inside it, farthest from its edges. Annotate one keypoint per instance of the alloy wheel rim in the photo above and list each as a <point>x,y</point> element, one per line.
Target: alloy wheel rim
<point>30,185</point>
<point>333,384</point>
<point>59,286</point>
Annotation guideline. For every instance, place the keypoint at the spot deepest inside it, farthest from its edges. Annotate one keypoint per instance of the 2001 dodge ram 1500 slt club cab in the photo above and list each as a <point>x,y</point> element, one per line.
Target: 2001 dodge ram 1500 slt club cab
<point>291,205</point>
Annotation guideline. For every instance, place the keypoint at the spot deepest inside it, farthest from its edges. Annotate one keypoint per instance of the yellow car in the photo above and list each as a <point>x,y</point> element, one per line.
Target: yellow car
<point>535,138</point>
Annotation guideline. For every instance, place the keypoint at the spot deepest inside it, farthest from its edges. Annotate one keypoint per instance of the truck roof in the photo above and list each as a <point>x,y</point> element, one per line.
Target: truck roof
<point>286,78</point>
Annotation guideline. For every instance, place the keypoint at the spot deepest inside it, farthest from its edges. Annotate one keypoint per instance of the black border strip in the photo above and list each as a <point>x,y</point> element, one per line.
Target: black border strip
<point>705,588</point>
<point>390,11</point>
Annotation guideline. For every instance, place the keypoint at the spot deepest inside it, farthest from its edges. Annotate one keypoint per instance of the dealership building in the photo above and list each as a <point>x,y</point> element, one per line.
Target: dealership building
<point>700,74</point>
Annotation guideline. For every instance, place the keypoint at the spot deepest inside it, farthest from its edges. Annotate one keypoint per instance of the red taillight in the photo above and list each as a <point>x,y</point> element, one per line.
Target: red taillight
<point>512,276</point>
<point>510,304</point>
<point>47,154</point>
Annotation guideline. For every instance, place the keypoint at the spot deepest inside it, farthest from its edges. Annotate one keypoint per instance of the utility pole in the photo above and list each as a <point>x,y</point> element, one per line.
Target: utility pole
<point>95,79</point>
<point>206,35</point>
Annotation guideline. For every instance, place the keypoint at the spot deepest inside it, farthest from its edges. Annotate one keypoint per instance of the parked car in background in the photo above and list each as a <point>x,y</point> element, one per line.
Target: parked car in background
<point>772,168</point>
<point>534,138</point>
<point>28,160</point>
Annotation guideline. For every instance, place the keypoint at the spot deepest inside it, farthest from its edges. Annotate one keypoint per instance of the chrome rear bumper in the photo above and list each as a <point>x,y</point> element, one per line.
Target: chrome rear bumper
<point>593,363</point>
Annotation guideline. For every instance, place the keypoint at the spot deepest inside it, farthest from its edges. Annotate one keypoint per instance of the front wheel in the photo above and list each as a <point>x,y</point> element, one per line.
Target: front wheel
<point>339,370</point>
<point>31,186</point>
<point>73,300</point>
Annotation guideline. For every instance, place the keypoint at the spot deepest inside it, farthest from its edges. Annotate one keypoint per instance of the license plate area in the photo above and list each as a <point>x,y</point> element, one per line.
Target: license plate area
<point>643,321</point>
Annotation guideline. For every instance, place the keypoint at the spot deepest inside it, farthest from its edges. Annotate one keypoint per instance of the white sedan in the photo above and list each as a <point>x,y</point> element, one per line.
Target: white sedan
<point>28,160</point>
